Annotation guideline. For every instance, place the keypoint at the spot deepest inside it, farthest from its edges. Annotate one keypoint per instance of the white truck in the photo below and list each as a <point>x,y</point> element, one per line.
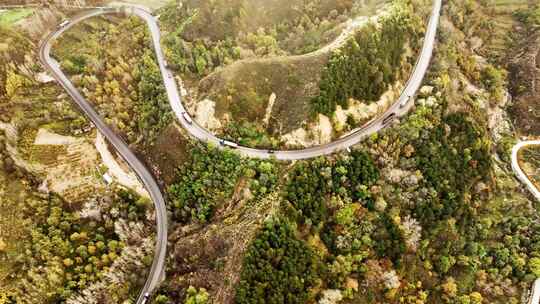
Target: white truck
<point>146,298</point>
<point>64,23</point>
<point>229,144</point>
<point>405,102</point>
<point>188,119</point>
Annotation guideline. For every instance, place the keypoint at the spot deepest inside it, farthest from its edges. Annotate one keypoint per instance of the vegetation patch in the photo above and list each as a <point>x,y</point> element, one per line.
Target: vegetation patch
<point>205,35</point>
<point>371,61</point>
<point>456,159</point>
<point>117,72</point>
<point>9,17</point>
<point>311,184</point>
<point>278,267</point>
<point>210,178</point>
<point>51,250</point>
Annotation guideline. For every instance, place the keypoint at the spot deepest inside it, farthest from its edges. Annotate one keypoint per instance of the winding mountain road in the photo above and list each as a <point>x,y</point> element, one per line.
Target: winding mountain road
<point>158,265</point>
<point>398,109</point>
<point>534,297</point>
<point>519,172</point>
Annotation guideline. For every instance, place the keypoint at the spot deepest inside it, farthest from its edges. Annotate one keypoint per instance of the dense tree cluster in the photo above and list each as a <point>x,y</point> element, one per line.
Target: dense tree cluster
<point>115,68</point>
<point>456,159</point>
<point>206,182</point>
<point>199,58</point>
<point>248,134</point>
<point>129,205</point>
<point>469,238</point>
<point>152,106</point>
<point>330,199</point>
<point>196,296</point>
<point>65,253</point>
<point>312,183</point>
<point>278,267</point>
<point>369,62</point>
<point>84,248</point>
<point>210,179</point>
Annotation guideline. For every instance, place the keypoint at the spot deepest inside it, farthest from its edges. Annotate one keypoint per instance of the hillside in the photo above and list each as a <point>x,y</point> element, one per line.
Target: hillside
<point>524,67</point>
<point>258,87</point>
<point>65,234</point>
<point>427,211</point>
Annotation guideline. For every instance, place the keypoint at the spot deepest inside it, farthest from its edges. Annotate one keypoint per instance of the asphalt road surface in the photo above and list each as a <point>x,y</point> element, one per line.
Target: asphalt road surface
<point>398,109</point>
<point>158,264</point>
<point>517,169</point>
<point>534,297</point>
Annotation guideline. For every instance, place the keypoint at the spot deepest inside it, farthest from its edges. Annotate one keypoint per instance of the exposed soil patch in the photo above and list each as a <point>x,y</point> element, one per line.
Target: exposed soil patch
<point>211,257</point>
<point>125,177</point>
<point>169,151</point>
<point>205,115</point>
<point>44,137</point>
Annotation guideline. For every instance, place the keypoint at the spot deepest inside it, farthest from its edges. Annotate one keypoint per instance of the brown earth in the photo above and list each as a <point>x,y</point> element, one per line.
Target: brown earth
<point>168,152</point>
<point>211,256</point>
<point>524,77</point>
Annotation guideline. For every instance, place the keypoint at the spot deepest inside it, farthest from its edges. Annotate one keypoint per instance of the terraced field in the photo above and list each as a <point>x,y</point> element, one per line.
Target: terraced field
<point>69,168</point>
<point>503,24</point>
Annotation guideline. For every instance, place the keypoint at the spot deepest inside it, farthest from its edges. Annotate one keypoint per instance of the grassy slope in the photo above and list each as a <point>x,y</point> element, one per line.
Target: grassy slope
<point>14,229</point>
<point>523,61</point>
<point>502,11</point>
<point>242,89</point>
<point>10,17</point>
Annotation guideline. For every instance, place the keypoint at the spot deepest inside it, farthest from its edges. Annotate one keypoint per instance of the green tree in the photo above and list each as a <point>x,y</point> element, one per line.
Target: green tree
<point>278,268</point>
